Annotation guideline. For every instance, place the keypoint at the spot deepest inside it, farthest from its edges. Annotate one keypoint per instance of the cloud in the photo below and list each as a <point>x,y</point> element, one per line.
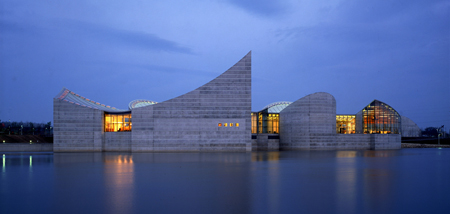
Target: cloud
<point>127,37</point>
<point>261,7</point>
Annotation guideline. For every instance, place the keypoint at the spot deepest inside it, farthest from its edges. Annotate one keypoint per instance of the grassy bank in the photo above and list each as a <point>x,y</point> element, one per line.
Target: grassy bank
<point>25,139</point>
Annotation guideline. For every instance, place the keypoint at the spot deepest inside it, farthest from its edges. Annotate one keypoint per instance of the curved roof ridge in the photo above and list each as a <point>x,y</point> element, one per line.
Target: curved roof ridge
<point>276,107</point>
<point>71,97</point>
<point>277,103</point>
<point>140,103</point>
<point>383,104</point>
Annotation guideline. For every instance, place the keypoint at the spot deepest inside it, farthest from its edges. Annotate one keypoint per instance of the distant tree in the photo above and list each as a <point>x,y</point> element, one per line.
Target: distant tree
<point>430,132</point>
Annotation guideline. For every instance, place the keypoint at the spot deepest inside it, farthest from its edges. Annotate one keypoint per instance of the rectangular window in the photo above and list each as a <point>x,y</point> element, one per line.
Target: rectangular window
<point>237,124</point>
<point>226,124</point>
<point>231,124</point>
<point>220,124</point>
<point>254,123</point>
<point>345,124</point>
<point>117,122</point>
<point>266,123</point>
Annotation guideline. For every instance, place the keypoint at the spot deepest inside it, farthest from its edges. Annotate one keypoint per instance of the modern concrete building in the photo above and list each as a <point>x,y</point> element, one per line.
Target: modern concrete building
<point>217,117</point>
<point>213,117</point>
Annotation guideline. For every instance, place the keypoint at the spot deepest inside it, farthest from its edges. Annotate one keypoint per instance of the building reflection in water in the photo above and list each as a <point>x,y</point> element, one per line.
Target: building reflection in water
<point>268,183</point>
<point>119,182</point>
<point>378,184</point>
<point>265,156</point>
<point>346,181</point>
<point>356,175</point>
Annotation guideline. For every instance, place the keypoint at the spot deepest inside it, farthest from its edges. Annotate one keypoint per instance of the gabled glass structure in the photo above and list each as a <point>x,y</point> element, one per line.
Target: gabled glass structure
<point>378,118</point>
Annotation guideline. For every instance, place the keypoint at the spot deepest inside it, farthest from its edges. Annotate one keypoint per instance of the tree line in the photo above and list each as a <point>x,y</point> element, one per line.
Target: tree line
<point>25,128</point>
<point>434,132</point>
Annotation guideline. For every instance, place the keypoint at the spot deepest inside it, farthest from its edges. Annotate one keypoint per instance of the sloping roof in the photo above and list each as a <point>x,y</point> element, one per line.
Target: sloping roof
<point>140,103</point>
<point>71,97</point>
<point>277,107</point>
<point>382,104</point>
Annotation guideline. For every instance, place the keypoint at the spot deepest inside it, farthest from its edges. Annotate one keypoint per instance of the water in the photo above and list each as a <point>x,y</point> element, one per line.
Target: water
<point>400,181</point>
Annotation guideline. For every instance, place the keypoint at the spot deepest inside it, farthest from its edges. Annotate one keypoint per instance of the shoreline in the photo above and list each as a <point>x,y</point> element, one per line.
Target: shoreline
<point>48,147</point>
<point>418,145</point>
<point>26,147</point>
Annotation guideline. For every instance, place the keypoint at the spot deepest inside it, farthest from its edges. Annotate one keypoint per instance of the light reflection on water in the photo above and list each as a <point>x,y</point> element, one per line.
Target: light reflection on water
<point>257,182</point>
<point>119,182</point>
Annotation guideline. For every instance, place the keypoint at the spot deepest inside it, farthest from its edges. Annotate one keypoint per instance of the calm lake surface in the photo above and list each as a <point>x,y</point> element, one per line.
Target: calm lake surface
<point>400,181</point>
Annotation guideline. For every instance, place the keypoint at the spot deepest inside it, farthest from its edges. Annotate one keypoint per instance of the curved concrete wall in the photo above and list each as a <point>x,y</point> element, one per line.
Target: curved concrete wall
<point>309,123</point>
<point>409,128</point>
<point>190,122</point>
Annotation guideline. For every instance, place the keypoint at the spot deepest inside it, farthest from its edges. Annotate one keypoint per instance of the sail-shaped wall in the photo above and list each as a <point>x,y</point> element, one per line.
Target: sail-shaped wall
<point>213,117</point>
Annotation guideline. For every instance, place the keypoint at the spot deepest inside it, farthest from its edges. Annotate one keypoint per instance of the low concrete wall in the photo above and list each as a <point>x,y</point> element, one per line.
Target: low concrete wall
<point>347,141</point>
<point>353,141</point>
<point>117,142</point>
<point>26,147</point>
<point>385,141</point>
<point>263,143</point>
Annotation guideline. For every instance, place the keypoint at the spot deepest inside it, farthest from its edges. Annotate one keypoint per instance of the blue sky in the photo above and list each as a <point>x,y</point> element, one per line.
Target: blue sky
<point>114,52</point>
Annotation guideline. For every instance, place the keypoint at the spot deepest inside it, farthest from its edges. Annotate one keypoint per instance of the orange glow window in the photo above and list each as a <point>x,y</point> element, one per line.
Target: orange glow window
<point>237,124</point>
<point>226,124</point>
<point>220,124</point>
<point>231,124</point>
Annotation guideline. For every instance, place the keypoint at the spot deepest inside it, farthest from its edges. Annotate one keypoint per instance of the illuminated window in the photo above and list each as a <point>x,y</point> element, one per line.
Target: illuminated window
<point>265,122</point>
<point>220,124</point>
<point>237,124</point>
<point>254,123</point>
<point>117,122</point>
<point>226,124</point>
<point>345,124</point>
<point>379,118</point>
<point>231,124</point>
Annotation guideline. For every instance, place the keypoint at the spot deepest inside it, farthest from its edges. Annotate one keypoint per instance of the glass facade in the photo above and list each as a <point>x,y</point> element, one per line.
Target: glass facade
<point>380,118</point>
<point>345,124</point>
<point>117,122</point>
<point>263,122</point>
<point>254,122</point>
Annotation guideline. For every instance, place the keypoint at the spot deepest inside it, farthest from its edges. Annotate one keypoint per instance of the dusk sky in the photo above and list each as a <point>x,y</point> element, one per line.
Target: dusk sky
<point>114,52</point>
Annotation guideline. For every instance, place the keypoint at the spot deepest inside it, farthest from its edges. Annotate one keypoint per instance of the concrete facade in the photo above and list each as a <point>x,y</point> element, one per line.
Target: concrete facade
<point>190,122</point>
<point>308,123</point>
<point>117,142</point>
<point>76,128</point>
<point>266,142</point>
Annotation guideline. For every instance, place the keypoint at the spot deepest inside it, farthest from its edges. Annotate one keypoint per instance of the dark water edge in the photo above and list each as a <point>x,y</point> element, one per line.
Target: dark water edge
<point>394,181</point>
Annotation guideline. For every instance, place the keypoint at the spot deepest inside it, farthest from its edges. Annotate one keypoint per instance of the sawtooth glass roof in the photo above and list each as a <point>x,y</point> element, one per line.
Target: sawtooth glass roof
<point>71,97</point>
<point>140,103</point>
<point>276,107</point>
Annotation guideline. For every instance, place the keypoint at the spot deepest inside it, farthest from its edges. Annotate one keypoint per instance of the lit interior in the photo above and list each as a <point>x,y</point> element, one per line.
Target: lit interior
<point>117,122</point>
<point>345,124</point>
<point>379,118</point>
<point>263,122</point>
